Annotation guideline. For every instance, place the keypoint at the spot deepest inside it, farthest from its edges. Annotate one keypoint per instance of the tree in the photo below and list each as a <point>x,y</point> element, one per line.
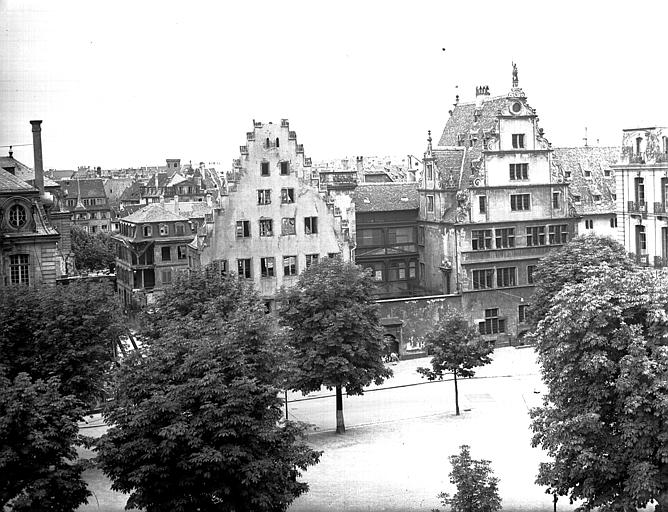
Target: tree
<point>334,331</point>
<point>477,487</point>
<point>456,349</point>
<point>196,419</point>
<point>62,331</point>
<point>38,463</point>
<point>93,251</point>
<point>603,351</point>
<point>569,264</point>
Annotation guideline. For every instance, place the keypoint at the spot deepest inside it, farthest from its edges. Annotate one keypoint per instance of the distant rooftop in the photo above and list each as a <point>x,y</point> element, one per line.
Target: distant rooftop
<point>385,197</point>
<point>154,212</point>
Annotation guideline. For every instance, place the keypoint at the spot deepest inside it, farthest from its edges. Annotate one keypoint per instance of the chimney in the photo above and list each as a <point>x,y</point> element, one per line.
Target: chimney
<point>37,151</point>
<point>359,162</point>
<point>176,204</point>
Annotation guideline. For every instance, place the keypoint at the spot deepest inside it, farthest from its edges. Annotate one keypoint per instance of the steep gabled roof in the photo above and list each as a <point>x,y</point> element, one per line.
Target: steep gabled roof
<point>84,188</point>
<point>386,197</point>
<point>463,121</point>
<point>10,183</point>
<point>153,213</point>
<point>575,162</point>
<point>452,166</point>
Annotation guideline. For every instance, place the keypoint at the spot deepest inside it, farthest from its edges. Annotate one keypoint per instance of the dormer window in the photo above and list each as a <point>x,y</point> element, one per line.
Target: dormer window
<point>17,216</point>
<point>597,198</point>
<point>518,141</point>
<point>164,230</point>
<point>147,231</point>
<point>430,172</point>
<point>638,142</point>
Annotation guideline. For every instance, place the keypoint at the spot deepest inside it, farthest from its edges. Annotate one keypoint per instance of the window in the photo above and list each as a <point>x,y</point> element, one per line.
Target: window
<point>638,142</point>
<point>482,279</point>
<point>267,267</point>
<point>430,172</point>
<point>505,238</point>
<point>369,237</point>
<point>506,276</point>
<point>535,235</point>
<point>519,202</point>
<point>518,140</point>
<point>397,271</point>
<point>311,225</point>
<point>289,265</point>
<point>266,227</point>
<point>332,255</point>
<point>577,199</point>
<point>556,200</point>
<point>288,226</point>
<point>180,230</point>
<point>422,270</point>
<point>19,269</point>
<point>219,266</point>
<point>639,188</point>
<point>608,172</point>
<point>147,231</point>
<point>166,276</point>
<point>589,223</point>
<point>311,259</point>
<point>243,229</point>
<point>412,269</point>
<point>264,196</point>
<point>519,171</point>
<point>522,313</point>
<point>481,239</point>
<point>587,174</point>
<point>613,222</point>
<point>558,234</point>
<point>164,230</point>
<point>287,195</point>
<point>181,252</point>
<point>492,323</point>
<point>377,270</point>
<point>278,142</point>
<point>530,271</point>
<point>166,253</point>
<point>641,239</point>
<point>244,268</point>
<point>597,198</point>
<point>420,235</point>
<point>400,235</point>
<point>482,202</point>
<point>285,168</point>
<point>430,203</point>
<point>264,169</point>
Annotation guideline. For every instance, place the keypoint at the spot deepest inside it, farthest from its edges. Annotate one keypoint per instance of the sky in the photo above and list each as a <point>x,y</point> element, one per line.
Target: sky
<point>130,83</point>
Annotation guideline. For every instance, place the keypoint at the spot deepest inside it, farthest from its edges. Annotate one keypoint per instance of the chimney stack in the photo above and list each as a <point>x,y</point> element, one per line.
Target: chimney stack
<point>37,151</point>
<point>359,162</point>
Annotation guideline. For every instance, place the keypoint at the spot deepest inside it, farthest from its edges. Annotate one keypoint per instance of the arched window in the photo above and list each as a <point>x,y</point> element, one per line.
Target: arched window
<point>17,216</point>
<point>277,142</point>
<point>638,141</point>
<point>267,143</point>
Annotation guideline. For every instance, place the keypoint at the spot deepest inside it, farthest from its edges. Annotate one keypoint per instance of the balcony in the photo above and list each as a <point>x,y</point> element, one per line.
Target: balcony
<point>492,255</point>
<point>638,207</point>
<point>660,208</point>
<point>637,158</point>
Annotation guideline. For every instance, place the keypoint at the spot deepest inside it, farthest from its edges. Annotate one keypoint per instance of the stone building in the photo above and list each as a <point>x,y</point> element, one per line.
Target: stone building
<point>271,222</point>
<point>86,201</point>
<point>491,205</point>
<point>642,194</point>
<point>151,246</point>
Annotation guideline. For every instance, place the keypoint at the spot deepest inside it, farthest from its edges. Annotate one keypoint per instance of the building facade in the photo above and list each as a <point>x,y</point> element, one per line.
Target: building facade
<point>642,195</point>
<point>272,222</point>
<point>151,247</point>
<point>491,205</point>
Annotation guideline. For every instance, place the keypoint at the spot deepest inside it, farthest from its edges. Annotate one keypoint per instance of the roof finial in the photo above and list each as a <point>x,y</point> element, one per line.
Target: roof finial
<point>429,140</point>
<point>11,153</point>
<point>515,80</point>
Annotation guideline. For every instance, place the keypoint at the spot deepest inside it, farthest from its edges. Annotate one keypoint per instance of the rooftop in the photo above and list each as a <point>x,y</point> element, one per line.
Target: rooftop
<point>385,197</point>
<point>10,183</point>
<point>154,213</point>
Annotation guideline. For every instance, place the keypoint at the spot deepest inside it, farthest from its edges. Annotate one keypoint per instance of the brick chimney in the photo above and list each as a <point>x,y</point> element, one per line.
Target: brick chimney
<point>37,151</point>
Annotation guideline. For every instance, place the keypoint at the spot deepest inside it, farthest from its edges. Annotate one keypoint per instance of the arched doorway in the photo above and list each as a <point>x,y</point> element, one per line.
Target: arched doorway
<point>391,344</point>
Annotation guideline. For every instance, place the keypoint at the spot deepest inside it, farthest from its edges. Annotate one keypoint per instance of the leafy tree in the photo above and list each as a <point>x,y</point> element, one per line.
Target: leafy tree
<point>38,463</point>
<point>197,418</point>
<point>457,349</point>
<point>62,331</point>
<point>477,488</point>
<point>603,350</point>
<point>569,264</point>
<point>93,251</point>
<point>334,331</point>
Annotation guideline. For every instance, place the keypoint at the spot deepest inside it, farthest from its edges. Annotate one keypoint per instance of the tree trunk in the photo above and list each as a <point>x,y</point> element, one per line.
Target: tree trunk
<point>340,426</point>
<point>456,394</point>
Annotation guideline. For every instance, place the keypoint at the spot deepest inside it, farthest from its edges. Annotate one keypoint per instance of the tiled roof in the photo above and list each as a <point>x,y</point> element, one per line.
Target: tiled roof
<point>462,120</point>
<point>194,209</point>
<point>10,183</point>
<point>450,165</point>
<point>153,213</point>
<point>10,161</point>
<point>578,161</point>
<point>386,197</point>
<point>132,193</point>
<point>84,188</point>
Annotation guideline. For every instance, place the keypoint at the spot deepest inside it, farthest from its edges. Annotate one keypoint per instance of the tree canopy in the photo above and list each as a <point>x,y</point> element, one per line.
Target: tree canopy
<point>456,349</point>
<point>569,264</point>
<point>93,251</point>
<point>197,418</point>
<point>334,330</point>
<point>603,351</point>
<point>62,331</point>
<point>38,461</point>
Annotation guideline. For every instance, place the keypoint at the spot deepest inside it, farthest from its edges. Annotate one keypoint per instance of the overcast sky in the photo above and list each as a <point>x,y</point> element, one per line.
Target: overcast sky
<point>129,83</point>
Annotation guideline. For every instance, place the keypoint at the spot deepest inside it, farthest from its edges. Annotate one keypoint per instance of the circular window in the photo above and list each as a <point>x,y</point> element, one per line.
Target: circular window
<point>17,216</point>
<point>516,107</point>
